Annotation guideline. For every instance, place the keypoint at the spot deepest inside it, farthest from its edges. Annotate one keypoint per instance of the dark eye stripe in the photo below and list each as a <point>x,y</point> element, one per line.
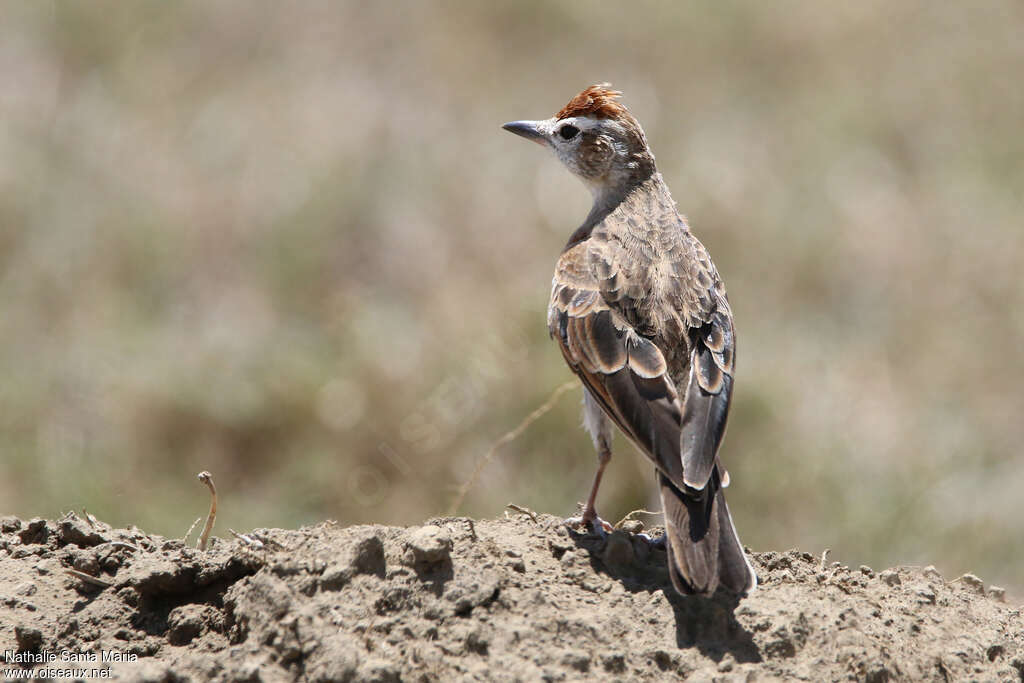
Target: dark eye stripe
<point>568,131</point>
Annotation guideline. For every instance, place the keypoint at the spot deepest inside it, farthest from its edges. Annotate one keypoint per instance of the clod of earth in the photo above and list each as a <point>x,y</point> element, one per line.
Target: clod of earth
<point>508,599</point>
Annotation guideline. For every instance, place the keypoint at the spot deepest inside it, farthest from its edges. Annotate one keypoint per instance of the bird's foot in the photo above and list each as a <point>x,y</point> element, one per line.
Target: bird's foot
<point>595,525</point>
<point>659,542</point>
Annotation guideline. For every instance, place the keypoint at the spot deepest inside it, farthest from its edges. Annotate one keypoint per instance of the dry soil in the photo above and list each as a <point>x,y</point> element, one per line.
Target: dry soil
<point>509,599</point>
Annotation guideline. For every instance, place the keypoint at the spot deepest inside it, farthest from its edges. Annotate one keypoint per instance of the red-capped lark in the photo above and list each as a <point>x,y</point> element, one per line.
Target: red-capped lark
<point>641,316</point>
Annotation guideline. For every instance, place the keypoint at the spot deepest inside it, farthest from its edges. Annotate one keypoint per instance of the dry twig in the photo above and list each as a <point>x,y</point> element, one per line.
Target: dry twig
<point>251,541</point>
<point>523,511</point>
<point>88,578</point>
<point>122,544</point>
<point>633,514</point>
<point>207,479</point>
<point>89,519</point>
<point>190,530</point>
<point>507,438</point>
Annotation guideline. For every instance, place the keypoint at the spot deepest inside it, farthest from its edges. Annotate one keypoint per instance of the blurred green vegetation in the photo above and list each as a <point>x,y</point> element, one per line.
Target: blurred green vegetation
<point>290,244</point>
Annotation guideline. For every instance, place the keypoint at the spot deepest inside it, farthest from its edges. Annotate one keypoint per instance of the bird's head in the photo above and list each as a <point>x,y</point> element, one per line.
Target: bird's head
<point>597,139</point>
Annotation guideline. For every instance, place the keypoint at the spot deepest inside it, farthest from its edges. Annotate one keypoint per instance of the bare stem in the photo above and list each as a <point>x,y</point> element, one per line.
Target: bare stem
<point>506,438</point>
<point>248,540</point>
<point>633,514</point>
<point>191,529</point>
<point>207,479</point>
<point>88,578</point>
<point>128,546</point>
<point>523,511</point>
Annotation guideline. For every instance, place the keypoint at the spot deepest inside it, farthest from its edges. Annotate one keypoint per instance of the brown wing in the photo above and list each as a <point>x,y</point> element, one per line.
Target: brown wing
<point>675,298</point>
<point>706,402</point>
<point>594,304</point>
<point>624,371</point>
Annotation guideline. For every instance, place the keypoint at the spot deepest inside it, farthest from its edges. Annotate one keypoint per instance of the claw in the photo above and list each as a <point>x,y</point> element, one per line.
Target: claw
<point>659,542</point>
<point>596,526</point>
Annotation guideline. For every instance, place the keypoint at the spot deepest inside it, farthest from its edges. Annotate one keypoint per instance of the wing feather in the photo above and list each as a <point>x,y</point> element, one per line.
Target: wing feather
<point>626,373</point>
<point>629,376</point>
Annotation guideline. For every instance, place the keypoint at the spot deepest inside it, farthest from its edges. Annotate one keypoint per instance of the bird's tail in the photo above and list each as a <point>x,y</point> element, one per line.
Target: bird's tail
<point>703,548</point>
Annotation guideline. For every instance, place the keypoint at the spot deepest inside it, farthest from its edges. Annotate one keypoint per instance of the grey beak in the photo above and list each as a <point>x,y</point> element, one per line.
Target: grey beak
<point>527,129</point>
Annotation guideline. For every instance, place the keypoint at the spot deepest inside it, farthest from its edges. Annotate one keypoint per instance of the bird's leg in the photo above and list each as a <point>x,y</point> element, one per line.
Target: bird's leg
<point>590,518</point>
<point>600,428</point>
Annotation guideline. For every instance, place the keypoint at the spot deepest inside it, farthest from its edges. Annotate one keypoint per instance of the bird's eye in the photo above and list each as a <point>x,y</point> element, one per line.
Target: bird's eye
<point>568,132</point>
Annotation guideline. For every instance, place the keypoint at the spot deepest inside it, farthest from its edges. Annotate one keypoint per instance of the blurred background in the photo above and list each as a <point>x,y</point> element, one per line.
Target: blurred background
<point>291,244</point>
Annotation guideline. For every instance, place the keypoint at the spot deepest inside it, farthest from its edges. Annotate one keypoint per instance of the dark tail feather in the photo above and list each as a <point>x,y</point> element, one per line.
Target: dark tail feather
<point>703,549</point>
<point>734,570</point>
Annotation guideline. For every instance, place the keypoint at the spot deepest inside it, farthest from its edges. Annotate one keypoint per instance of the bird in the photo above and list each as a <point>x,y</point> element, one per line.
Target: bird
<point>641,316</point>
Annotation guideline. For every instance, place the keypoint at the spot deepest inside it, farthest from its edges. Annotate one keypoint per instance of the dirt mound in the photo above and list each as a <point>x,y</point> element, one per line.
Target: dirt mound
<point>509,599</point>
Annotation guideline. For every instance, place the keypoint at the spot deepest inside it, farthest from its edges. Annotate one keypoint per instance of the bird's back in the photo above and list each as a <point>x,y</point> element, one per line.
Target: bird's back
<point>647,266</point>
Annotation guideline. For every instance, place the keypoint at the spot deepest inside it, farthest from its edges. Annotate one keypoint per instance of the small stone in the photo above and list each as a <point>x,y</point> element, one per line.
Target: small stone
<point>781,643</point>
<point>579,661</point>
<point>368,555</point>
<point>436,610</point>
<point>867,571</point>
<point>932,573</point>
<point>1018,664</point>
<point>477,641</point>
<point>997,593</point>
<point>28,638</point>
<point>560,545</point>
<point>148,671</point>
<point>74,531</point>
<point>890,577</point>
<point>516,564</point>
<point>86,561</point>
<point>657,601</point>
<point>35,532</point>
<point>25,588</point>
<point>338,660</point>
<point>128,596</point>
<point>775,561</point>
<point>427,545</point>
<point>974,583</point>
<point>479,590</point>
<point>364,556</point>
<point>994,652</point>
<point>9,525</point>
<point>632,526</point>
<point>613,663</point>
<point>663,660</point>
<point>185,623</point>
<point>877,673</point>
<point>378,671</point>
<point>727,663</point>
<point>336,576</point>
